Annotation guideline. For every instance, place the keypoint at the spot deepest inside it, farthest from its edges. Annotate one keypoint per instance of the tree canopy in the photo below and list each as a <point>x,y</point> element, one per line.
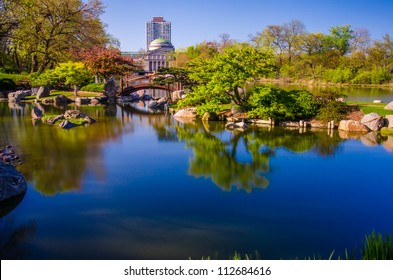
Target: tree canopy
<point>226,75</point>
<point>41,33</point>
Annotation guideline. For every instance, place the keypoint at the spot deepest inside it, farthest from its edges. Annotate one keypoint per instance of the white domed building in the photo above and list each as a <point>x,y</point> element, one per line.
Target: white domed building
<point>159,54</point>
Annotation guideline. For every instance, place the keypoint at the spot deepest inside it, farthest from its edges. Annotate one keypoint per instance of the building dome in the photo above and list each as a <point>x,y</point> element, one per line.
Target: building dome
<point>160,43</point>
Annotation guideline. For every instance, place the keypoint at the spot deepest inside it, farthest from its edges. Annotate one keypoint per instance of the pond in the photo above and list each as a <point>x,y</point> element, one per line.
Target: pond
<point>146,186</point>
<point>354,94</point>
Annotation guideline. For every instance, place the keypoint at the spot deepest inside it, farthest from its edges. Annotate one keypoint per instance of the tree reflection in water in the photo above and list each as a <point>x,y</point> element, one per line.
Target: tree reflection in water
<point>240,159</point>
<point>57,159</point>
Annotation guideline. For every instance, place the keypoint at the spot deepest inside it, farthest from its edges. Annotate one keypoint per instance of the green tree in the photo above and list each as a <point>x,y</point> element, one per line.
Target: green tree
<point>48,30</point>
<point>228,74</point>
<point>69,73</point>
<point>340,38</point>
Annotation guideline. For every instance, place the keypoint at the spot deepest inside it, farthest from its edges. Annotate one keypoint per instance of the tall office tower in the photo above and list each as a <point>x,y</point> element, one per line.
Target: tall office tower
<point>157,28</point>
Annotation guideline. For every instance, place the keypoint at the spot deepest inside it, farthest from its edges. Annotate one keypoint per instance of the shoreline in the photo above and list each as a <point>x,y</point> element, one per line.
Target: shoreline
<point>317,83</point>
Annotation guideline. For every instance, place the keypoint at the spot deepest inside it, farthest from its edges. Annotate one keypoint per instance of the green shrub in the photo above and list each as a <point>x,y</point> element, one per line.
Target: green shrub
<point>338,75</point>
<point>329,108</point>
<point>17,79</point>
<point>210,107</point>
<point>279,104</point>
<point>373,77</point>
<point>93,88</point>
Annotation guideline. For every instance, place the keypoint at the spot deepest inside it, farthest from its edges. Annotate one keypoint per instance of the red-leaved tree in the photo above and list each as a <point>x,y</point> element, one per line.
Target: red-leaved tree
<point>106,62</point>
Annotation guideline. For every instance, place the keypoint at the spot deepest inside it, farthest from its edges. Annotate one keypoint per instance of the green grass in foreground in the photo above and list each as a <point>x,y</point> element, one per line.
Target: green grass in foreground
<point>375,246</point>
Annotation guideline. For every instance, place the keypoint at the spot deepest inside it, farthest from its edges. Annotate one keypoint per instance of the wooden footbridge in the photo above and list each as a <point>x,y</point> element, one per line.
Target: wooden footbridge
<point>135,82</point>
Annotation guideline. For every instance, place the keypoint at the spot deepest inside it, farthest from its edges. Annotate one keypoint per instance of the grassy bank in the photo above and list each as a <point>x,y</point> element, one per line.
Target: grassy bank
<point>369,107</point>
<point>69,94</point>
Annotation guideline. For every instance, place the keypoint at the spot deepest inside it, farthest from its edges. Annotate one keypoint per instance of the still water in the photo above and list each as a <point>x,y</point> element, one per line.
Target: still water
<point>146,186</point>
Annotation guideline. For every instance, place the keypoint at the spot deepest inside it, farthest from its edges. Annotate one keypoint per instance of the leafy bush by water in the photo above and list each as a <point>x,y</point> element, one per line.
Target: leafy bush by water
<point>279,104</point>
<point>93,88</point>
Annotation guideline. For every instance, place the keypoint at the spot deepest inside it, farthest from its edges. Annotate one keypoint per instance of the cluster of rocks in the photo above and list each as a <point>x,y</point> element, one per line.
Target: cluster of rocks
<point>90,100</point>
<point>370,122</point>
<point>42,95</point>
<point>17,96</point>
<point>65,119</point>
<point>139,95</point>
<point>160,104</point>
<point>8,156</point>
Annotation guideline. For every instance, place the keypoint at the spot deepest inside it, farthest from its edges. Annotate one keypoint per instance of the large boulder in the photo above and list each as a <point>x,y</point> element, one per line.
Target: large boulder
<point>187,113</point>
<point>17,96</point>
<point>43,91</point>
<point>350,125</point>
<point>61,99</point>
<point>373,121</point>
<point>12,182</point>
<point>110,89</point>
<point>389,106</point>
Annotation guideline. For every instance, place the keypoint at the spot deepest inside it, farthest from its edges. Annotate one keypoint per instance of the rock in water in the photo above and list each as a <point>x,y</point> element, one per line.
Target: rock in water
<point>12,182</point>
<point>18,95</point>
<point>189,113</point>
<point>110,89</point>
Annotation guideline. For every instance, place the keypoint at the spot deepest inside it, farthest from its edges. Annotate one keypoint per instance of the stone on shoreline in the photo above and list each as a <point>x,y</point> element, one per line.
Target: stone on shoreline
<point>187,113</point>
<point>354,126</point>
<point>43,91</point>
<point>373,121</point>
<point>17,96</point>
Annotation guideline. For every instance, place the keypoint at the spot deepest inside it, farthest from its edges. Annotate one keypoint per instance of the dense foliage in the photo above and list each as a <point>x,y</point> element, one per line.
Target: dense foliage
<point>225,76</point>
<point>36,35</point>
<point>105,62</point>
<point>344,55</point>
<point>65,74</point>
<point>278,104</point>
<point>93,87</point>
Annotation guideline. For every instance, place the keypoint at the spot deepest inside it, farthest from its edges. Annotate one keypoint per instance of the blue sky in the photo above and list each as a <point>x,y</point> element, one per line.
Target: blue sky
<point>204,20</point>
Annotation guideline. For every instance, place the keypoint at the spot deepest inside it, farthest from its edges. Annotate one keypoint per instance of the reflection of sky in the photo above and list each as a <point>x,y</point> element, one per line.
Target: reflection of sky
<point>147,206</point>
